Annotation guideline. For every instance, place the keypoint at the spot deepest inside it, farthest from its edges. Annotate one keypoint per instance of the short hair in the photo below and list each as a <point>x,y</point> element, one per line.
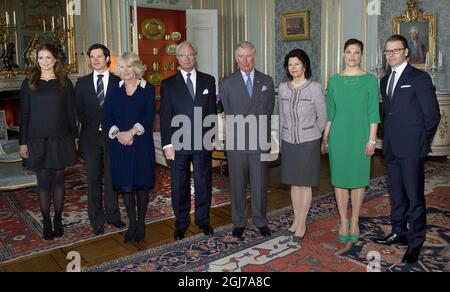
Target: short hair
<point>132,59</point>
<point>189,44</point>
<point>244,45</point>
<point>414,29</point>
<point>398,38</point>
<point>105,50</point>
<point>354,42</point>
<point>303,57</point>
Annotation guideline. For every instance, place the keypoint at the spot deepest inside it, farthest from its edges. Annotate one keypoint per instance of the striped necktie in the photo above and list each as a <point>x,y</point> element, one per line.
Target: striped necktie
<point>100,90</point>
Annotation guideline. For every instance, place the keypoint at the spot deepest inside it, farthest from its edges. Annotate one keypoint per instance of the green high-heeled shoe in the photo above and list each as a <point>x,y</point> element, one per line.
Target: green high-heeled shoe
<point>344,238</point>
<point>354,238</point>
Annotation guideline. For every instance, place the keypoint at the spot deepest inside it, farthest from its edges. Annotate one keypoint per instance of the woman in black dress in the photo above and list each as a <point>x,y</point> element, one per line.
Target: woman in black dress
<point>47,132</point>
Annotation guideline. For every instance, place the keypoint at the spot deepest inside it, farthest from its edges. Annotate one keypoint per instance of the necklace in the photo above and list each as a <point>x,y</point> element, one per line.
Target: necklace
<point>131,90</point>
<point>300,84</point>
<point>47,78</point>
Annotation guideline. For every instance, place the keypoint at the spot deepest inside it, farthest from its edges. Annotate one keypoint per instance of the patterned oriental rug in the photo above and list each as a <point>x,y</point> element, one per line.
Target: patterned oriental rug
<point>320,250</point>
<point>21,220</point>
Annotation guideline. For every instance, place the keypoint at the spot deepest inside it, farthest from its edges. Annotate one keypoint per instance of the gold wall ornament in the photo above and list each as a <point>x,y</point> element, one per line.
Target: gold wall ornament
<point>423,44</point>
<point>443,126</point>
<point>56,16</point>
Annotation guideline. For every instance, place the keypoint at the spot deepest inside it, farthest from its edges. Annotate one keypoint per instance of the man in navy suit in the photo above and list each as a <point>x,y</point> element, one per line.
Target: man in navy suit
<point>411,117</point>
<point>187,92</point>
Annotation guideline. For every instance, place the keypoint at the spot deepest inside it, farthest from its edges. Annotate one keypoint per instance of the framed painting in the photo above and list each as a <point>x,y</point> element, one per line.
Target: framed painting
<point>295,26</point>
<point>419,29</point>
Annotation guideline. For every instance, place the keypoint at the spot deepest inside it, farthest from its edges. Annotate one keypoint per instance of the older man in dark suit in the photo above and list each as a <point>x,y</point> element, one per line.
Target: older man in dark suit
<point>91,98</point>
<point>191,94</point>
<point>248,95</point>
<point>411,117</point>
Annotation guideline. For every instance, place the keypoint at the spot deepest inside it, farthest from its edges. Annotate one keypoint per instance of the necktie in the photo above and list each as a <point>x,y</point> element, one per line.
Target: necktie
<point>391,85</point>
<point>190,85</point>
<point>100,90</point>
<point>249,85</point>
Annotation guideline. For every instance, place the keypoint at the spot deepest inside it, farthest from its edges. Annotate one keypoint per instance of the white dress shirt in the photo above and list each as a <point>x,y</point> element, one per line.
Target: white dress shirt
<point>105,80</point>
<point>398,74</point>
<point>252,76</point>
<point>193,78</point>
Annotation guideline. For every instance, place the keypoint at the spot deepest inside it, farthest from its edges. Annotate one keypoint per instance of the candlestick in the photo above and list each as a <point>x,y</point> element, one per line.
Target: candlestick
<point>7,18</point>
<point>14,17</point>
<point>43,22</point>
<point>64,23</point>
<point>440,59</point>
<point>53,23</point>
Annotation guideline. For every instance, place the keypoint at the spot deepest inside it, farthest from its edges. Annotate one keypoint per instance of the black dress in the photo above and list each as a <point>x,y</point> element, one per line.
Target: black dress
<point>48,125</point>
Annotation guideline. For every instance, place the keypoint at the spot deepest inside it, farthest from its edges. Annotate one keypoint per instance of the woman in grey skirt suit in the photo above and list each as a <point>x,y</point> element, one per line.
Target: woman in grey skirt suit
<point>303,117</point>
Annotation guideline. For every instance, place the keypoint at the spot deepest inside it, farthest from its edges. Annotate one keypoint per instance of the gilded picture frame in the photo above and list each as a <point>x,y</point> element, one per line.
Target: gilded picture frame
<point>419,29</point>
<point>295,26</point>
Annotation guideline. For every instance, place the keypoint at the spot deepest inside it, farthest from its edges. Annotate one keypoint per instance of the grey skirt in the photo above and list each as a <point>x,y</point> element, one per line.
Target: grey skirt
<point>300,163</point>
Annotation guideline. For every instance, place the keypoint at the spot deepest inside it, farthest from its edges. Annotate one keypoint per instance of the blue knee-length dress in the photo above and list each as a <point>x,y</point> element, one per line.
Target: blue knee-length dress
<point>132,167</point>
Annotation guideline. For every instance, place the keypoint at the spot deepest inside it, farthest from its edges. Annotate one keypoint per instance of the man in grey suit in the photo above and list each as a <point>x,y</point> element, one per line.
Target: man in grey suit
<point>248,95</point>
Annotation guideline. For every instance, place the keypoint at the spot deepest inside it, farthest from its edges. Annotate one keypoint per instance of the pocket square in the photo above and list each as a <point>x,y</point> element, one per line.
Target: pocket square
<point>264,88</point>
<point>406,86</point>
<point>206,91</point>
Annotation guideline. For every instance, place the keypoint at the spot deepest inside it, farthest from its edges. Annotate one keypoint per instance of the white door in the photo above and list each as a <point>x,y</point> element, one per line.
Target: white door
<point>202,31</point>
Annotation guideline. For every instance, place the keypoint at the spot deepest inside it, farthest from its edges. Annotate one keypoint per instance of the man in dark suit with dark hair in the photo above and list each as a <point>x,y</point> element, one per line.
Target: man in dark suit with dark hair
<point>411,117</point>
<point>91,98</point>
<point>186,93</point>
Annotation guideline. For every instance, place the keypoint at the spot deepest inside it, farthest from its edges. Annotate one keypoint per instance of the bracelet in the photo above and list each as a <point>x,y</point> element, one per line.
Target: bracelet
<point>373,142</point>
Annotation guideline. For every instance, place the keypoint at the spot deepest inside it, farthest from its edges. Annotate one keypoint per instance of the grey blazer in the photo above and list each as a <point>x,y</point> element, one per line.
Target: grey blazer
<point>303,112</point>
<point>236,101</point>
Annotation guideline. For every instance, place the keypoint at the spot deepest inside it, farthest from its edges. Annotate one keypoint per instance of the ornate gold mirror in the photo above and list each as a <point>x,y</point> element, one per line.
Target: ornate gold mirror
<point>419,28</point>
<point>25,24</point>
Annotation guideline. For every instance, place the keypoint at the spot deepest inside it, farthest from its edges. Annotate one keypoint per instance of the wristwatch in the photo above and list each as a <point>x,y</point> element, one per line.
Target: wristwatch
<point>373,142</point>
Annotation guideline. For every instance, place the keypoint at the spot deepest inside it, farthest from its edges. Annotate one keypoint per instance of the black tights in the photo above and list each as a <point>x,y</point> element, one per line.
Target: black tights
<point>50,184</point>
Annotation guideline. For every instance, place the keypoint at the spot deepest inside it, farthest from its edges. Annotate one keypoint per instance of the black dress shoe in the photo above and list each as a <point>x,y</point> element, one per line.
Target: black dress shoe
<point>207,230</point>
<point>265,231</point>
<point>98,230</point>
<point>391,239</point>
<point>238,232</point>
<point>179,234</point>
<point>411,256</point>
<point>118,224</point>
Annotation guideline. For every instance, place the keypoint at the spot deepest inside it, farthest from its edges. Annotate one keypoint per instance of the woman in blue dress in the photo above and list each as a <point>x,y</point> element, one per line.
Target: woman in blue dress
<point>129,119</point>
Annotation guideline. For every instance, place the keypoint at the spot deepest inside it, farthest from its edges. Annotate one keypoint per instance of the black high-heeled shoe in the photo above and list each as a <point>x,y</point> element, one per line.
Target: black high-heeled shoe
<point>58,226</point>
<point>47,233</point>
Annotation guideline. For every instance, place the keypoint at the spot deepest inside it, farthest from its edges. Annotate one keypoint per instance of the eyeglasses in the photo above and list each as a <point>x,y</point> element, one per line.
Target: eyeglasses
<point>186,56</point>
<point>394,51</point>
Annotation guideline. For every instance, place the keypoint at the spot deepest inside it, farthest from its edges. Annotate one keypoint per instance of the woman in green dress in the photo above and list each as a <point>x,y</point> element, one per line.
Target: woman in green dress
<point>350,135</point>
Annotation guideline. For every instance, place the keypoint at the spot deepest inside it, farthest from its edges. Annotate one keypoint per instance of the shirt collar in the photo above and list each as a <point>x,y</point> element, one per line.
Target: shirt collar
<point>400,68</point>
<point>252,74</point>
<point>105,74</point>
<point>142,84</point>
<point>185,73</point>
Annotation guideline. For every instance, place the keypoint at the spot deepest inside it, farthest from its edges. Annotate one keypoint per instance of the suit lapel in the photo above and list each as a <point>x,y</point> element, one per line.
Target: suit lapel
<point>242,91</point>
<point>110,87</point>
<point>257,88</point>
<point>182,87</point>
<point>91,89</point>
<point>198,90</point>
<point>403,78</point>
